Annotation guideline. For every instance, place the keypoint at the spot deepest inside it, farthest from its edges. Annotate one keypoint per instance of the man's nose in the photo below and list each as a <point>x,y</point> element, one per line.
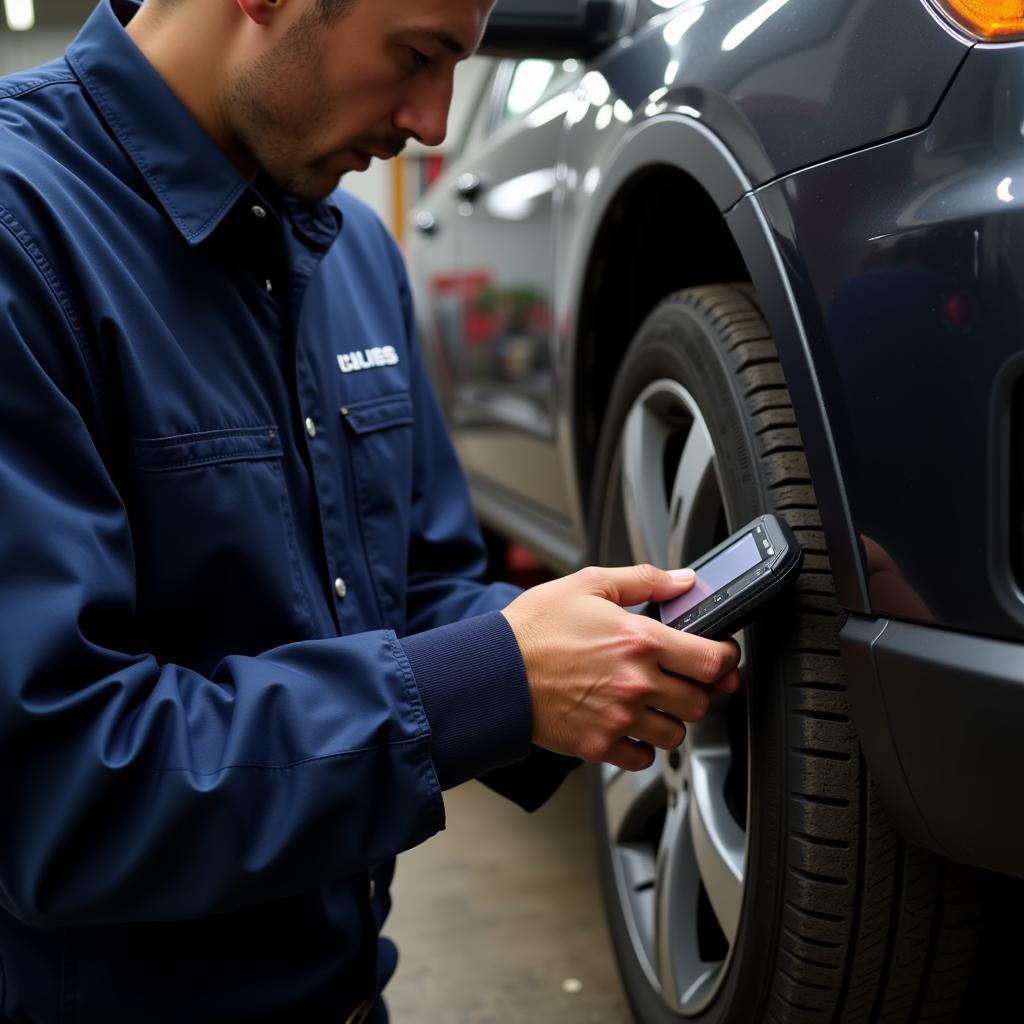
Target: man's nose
<point>425,116</point>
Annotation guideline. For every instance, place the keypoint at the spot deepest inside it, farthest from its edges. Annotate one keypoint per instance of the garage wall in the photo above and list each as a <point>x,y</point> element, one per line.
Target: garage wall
<point>56,22</point>
<point>20,50</point>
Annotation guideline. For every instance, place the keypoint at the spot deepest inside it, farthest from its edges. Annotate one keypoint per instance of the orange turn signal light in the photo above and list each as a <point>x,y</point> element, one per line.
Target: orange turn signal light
<point>987,19</point>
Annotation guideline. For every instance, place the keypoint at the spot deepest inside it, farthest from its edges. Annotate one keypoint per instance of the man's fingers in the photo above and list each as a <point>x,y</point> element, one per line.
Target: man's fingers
<point>680,699</point>
<point>634,584</point>
<point>695,656</point>
<point>631,755</point>
<point>659,729</point>
<point>729,683</point>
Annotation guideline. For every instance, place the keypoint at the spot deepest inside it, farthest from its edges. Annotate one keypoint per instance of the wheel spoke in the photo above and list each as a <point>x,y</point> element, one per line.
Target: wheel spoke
<point>696,471</point>
<point>718,842</point>
<point>676,900</point>
<point>630,800</point>
<point>684,977</point>
<point>643,494</point>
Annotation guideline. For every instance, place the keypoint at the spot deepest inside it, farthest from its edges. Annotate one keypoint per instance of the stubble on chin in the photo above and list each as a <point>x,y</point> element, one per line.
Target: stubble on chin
<point>254,110</point>
<point>304,184</point>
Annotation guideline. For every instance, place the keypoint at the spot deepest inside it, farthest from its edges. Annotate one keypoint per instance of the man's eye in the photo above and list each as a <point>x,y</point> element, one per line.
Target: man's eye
<point>420,60</point>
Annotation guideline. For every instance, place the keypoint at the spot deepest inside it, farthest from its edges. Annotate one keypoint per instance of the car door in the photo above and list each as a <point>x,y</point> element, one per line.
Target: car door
<point>432,244</point>
<point>502,401</point>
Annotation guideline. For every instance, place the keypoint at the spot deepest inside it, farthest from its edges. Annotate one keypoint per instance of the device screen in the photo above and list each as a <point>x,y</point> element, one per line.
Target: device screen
<point>732,563</point>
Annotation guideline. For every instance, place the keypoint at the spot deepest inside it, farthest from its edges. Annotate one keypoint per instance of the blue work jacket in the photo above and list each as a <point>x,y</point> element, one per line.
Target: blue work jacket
<point>243,642</point>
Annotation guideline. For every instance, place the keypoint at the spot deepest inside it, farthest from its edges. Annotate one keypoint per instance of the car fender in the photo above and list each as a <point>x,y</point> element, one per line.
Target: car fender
<point>681,141</point>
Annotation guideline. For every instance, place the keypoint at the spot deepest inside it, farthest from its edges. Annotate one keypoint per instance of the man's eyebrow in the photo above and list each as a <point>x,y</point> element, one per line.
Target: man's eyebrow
<point>446,39</point>
<point>449,42</point>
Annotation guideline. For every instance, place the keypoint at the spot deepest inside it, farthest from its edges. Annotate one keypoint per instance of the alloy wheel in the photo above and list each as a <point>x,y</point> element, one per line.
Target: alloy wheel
<point>677,832</point>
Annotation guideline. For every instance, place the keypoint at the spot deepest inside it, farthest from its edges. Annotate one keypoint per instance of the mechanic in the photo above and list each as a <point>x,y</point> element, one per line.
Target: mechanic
<point>245,647</point>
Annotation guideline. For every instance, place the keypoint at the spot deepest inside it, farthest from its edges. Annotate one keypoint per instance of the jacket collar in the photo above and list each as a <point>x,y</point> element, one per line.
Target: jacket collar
<point>189,174</point>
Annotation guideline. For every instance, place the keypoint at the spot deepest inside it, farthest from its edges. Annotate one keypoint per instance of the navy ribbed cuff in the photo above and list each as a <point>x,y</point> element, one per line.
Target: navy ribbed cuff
<point>472,682</point>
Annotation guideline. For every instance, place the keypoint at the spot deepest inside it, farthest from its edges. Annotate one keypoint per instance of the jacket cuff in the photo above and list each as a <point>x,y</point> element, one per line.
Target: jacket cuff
<point>472,682</point>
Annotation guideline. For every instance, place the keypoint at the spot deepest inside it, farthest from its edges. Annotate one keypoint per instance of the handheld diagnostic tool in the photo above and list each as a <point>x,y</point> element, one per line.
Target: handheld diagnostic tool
<point>735,579</point>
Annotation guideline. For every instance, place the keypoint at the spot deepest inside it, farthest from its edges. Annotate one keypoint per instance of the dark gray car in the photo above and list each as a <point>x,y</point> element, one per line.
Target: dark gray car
<point>697,261</point>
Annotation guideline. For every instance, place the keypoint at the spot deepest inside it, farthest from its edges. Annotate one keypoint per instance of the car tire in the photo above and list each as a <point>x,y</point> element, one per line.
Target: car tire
<point>754,876</point>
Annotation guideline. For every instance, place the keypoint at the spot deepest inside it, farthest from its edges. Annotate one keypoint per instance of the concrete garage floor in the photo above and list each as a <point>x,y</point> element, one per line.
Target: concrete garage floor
<point>497,914</point>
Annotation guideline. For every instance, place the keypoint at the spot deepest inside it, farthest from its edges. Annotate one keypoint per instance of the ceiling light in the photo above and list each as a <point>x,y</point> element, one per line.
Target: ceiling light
<point>21,15</point>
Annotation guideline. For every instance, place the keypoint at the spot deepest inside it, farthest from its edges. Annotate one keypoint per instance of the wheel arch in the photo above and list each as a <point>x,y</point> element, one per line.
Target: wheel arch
<point>671,178</point>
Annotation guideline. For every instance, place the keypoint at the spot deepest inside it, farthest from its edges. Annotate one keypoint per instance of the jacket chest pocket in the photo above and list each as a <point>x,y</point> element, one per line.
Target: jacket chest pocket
<point>217,567</point>
<point>379,433</point>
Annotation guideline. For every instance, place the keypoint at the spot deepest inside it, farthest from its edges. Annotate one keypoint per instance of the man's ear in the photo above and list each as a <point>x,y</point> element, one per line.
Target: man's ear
<point>260,11</point>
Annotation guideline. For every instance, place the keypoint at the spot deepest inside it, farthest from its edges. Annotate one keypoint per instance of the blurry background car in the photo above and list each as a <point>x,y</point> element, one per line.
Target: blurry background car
<point>692,261</point>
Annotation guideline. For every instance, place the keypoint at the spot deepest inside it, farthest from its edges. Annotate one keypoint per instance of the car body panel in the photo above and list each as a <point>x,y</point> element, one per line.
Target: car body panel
<point>783,83</point>
<point>938,715</point>
<point>906,259</point>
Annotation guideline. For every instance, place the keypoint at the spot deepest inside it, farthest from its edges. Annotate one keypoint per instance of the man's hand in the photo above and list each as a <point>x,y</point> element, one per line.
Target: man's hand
<point>608,685</point>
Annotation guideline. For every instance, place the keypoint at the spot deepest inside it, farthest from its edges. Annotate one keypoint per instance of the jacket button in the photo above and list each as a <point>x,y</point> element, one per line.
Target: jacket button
<point>340,588</point>
<point>310,427</point>
<point>258,212</point>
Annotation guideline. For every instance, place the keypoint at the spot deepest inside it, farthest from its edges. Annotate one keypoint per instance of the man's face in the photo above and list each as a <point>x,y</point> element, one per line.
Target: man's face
<point>326,96</point>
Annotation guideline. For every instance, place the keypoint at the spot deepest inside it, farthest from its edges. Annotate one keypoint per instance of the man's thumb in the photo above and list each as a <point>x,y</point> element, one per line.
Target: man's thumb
<point>633,584</point>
